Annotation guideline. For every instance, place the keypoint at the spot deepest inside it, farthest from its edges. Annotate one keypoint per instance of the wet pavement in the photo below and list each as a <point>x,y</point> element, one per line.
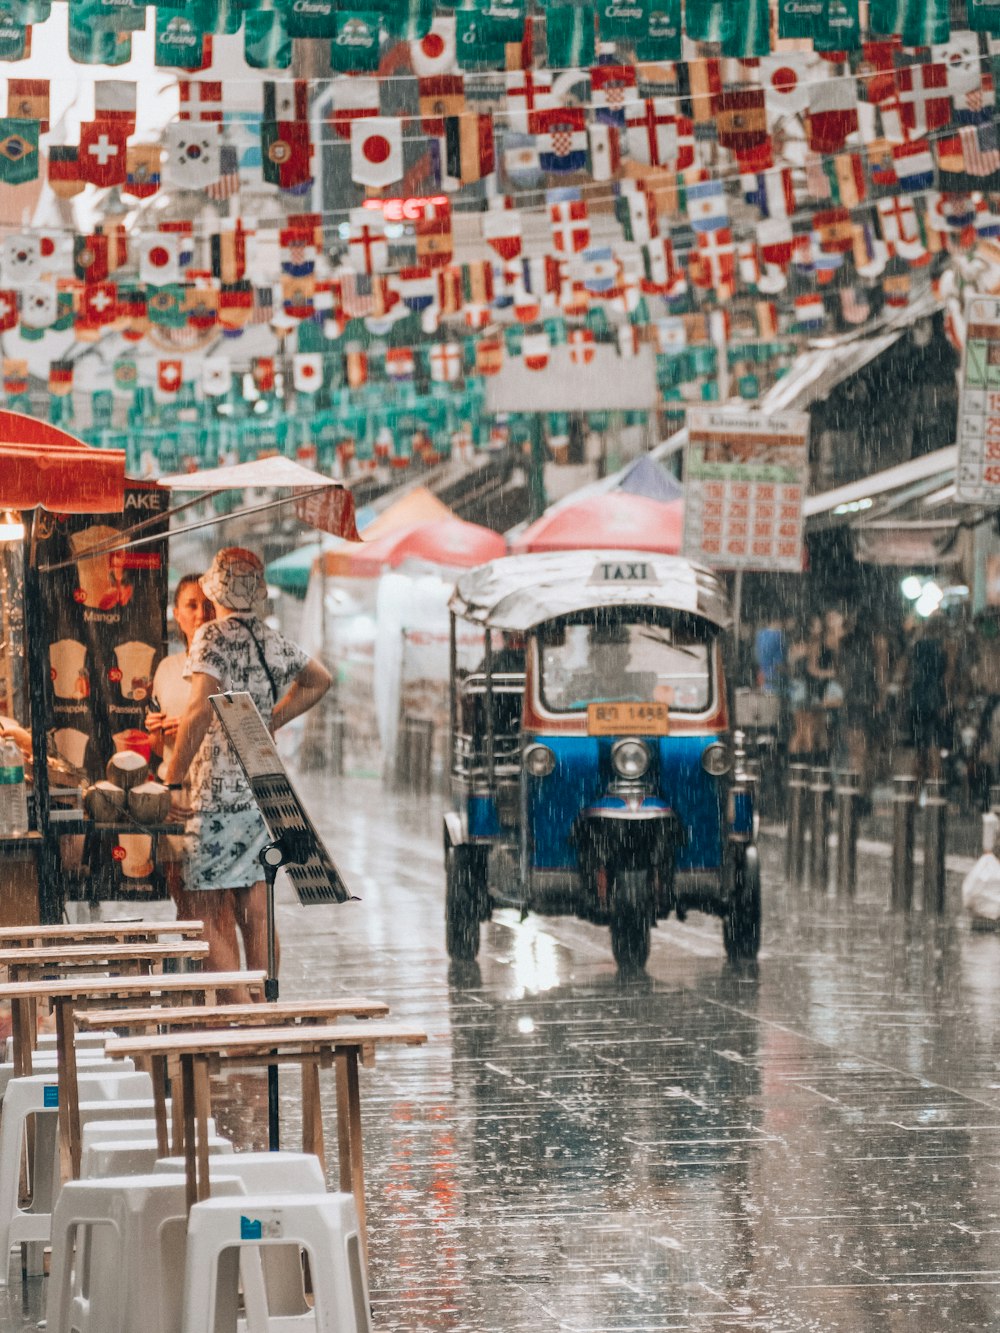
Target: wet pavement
<point>811,1144</point>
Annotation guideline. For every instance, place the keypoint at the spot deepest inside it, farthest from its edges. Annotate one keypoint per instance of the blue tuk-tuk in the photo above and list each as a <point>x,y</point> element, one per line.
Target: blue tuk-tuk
<point>591,760</point>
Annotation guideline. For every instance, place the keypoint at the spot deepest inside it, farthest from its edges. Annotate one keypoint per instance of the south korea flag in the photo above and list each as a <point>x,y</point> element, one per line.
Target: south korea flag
<point>193,154</point>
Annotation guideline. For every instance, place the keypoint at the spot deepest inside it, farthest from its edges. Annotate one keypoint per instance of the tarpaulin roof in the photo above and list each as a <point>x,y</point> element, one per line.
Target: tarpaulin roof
<point>41,465</point>
<point>418,507</point>
<point>449,542</point>
<point>615,520</point>
<point>275,472</point>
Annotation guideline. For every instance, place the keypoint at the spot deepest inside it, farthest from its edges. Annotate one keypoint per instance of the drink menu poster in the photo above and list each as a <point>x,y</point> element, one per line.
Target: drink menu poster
<point>745,480</point>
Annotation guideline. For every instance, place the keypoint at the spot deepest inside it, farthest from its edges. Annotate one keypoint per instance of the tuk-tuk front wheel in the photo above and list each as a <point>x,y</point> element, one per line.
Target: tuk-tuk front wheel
<point>741,924</point>
<point>465,871</point>
<point>630,913</point>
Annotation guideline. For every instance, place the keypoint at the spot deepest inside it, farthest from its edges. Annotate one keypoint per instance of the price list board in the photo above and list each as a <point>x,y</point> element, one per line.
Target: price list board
<point>745,480</point>
<point>978,479</point>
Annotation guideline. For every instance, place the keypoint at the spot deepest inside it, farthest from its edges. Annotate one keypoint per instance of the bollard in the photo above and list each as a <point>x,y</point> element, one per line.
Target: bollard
<point>819,851</point>
<point>935,818</point>
<point>991,828</point>
<point>904,795</point>
<point>995,799</point>
<point>848,794</point>
<point>795,845</point>
<point>415,754</point>
<point>335,747</point>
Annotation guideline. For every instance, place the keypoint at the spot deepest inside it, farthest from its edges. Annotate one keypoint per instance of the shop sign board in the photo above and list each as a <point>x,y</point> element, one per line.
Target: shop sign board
<point>978,477</point>
<point>745,481</point>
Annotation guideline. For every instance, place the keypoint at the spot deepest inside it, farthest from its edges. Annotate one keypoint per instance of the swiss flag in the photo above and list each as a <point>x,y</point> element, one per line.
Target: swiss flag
<point>377,150</point>
<point>169,376</point>
<point>100,304</point>
<point>101,159</point>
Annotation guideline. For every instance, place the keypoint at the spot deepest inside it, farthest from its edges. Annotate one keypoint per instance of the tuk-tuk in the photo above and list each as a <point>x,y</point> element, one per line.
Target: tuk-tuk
<point>591,760</point>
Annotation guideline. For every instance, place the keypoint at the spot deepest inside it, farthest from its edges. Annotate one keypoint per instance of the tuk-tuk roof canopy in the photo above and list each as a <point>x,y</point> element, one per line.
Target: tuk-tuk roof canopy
<point>521,591</point>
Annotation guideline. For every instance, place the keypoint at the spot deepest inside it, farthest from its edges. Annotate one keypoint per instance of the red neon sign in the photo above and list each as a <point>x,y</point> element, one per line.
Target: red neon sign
<point>406,210</point>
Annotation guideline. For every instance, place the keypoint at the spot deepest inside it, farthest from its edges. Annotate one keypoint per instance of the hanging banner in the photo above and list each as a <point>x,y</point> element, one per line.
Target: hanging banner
<point>978,480</point>
<point>107,628</point>
<point>745,479</point>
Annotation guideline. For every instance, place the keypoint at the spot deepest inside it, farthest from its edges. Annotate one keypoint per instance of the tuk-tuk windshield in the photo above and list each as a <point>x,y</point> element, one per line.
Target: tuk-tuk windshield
<point>632,657</point>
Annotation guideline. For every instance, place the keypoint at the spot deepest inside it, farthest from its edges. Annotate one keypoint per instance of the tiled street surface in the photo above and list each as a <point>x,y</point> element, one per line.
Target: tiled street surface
<point>811,1145</point>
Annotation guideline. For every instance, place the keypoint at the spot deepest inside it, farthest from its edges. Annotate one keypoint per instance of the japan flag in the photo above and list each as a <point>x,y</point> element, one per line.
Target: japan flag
<point>435,53</point>
<point>377,150</point>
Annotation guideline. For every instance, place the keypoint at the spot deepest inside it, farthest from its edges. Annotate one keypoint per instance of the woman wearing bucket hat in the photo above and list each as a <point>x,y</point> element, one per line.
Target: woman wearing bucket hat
<point>224,832</point>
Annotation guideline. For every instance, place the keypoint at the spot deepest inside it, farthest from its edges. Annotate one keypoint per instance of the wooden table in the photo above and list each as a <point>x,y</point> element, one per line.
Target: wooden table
<point>68,995</point>
<point>89,932</point>
<point>278,1013</point>
<point>55,959</point>
<point>202,1053</point>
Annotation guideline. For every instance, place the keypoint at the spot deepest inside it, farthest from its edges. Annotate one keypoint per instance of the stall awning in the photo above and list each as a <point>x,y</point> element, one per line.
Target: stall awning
<point>846,502</point>
<point>43,466</point>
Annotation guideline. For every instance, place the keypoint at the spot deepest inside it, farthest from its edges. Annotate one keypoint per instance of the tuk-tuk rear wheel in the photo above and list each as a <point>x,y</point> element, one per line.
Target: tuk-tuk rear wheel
<point>630,923</point>
<point>741,924</point>
<point>461,903</point>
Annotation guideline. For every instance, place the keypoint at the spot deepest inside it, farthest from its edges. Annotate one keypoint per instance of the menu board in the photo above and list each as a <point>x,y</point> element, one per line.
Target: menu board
<point>106,617</point>
<point>978,479</point>
<point>745,480</point>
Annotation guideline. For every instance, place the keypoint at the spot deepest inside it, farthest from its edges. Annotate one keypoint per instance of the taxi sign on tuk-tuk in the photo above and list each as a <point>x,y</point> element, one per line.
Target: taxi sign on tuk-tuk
<point>621,719</point>
<point>623,571</point>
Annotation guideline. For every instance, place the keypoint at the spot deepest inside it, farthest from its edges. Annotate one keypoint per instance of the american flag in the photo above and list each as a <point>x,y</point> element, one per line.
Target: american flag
<point>980,149</point>
<point>228,183</point>
<point>263,305</point>
<point>854,306</point>
<point>357,295</point>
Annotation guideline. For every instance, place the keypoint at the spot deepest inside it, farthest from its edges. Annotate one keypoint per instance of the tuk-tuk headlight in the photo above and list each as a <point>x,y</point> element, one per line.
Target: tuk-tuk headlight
<point>716,759</point>
<point>629,758</point>
<point>539,760</point>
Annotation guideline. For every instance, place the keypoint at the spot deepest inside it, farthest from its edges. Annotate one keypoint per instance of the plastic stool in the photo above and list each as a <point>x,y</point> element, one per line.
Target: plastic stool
<point>36,1095</point>
<point>138,1127</point>
<point>135,1157</point>
<point>324,1225</point>
<point>48,1041</point>
<point>284,1173</point>
<point>124,1273</point>
<point>47,1061</point>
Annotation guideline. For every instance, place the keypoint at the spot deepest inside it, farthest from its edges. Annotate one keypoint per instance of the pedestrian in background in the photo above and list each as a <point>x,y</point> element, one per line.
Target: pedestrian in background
<point>929,690</point>
<point>224,833</point>
<point>804,643</point>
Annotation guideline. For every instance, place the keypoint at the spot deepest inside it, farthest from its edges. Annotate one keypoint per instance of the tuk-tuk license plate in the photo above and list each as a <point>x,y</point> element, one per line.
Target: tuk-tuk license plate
<point>623,719</point>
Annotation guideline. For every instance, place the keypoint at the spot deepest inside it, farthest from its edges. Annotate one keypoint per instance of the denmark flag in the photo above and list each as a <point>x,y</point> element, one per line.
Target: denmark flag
<point>570,225</point>
<point>581,347</point>
<point>377,150</point>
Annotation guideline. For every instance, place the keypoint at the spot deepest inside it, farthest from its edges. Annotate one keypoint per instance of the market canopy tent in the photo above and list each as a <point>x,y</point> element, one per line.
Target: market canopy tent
<point>450,542</point>
<point>42,466</point>
<point>414,509</point>
<point>616,520</point>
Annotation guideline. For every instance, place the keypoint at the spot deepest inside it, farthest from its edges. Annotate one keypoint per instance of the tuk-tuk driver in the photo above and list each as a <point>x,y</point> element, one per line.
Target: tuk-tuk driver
<point>606,677</point>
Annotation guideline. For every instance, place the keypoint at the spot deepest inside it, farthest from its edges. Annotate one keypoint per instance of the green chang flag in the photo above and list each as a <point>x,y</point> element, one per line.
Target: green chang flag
<point>114,15</point>
<point>311,18</point>
<point>925,22</point>
<point>841,30</point>
<point>984,16</point>
<point>266,43</point>
<point>661,38</point>
<point>623,20</point>
<point>886,16</point>
<point>798,19</point>
<point>224,17</point>
<point>99,46</point>
<point>15,41</point>
<point>18,151</point>
<point>746,28</point>
<point>407,20</point>
<point>356,45</point>
<point>706,19</point>
<point>476,44</point>
<point>571,36</point>
<point>503,21</point>
<point>180,40</point>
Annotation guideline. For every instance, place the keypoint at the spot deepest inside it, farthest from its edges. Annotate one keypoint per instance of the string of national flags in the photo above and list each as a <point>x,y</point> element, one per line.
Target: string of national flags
<point>744,194</point>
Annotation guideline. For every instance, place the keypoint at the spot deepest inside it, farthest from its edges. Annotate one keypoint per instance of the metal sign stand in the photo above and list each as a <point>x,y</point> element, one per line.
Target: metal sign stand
<point>294,844</point>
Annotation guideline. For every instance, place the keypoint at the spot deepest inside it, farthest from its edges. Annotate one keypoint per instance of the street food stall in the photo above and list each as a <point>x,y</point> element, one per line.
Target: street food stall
<point>83,553</point>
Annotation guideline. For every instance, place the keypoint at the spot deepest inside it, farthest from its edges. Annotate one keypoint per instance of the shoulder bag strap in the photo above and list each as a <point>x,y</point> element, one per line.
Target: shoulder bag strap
<point>263,661</point>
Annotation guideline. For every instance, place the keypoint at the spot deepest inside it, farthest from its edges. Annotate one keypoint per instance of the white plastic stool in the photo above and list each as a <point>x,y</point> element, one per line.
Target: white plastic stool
<point>138,1127</point>
<point>47,1060</point>
<point>118,1252</point>
<point>37,1095</point>
<point>324,1225</point>
<point>135,1157</point>
<point>48,1041</point>
<point>296,1173</point>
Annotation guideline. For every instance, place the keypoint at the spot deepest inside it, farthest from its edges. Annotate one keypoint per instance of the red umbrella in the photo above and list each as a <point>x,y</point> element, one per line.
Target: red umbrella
<point>614,520</point>
<point>450,542</point>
